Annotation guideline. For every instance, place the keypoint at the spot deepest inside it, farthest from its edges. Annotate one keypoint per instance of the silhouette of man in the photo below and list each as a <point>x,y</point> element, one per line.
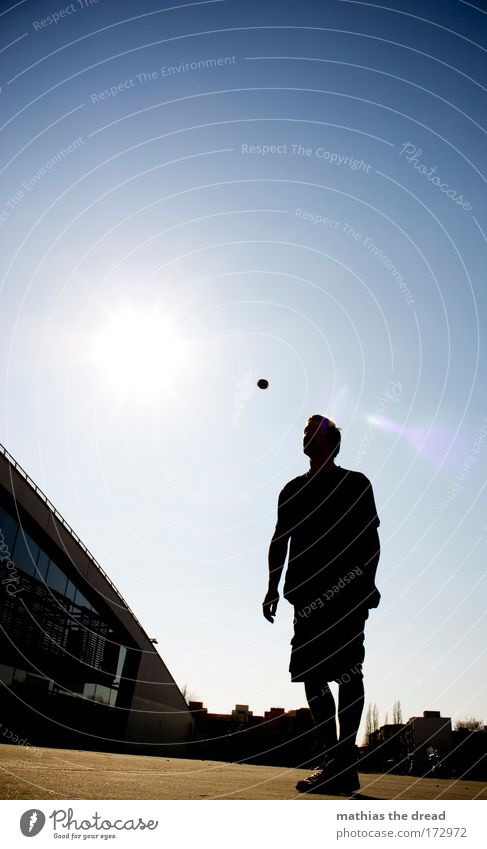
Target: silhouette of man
<point>329,516</point>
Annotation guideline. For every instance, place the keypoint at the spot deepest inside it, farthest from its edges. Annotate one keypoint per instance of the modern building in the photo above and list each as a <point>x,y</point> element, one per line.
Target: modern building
<point>428,735</point>
<point>76,666</point>
<point>420,746</point>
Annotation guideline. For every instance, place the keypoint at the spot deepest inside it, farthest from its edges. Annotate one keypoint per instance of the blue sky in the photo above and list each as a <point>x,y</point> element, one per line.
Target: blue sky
<point>196,197</point>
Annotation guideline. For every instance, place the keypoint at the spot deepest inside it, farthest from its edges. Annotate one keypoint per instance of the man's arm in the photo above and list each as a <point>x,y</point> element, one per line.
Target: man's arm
<point>370,544</point>
<point>277,558</point>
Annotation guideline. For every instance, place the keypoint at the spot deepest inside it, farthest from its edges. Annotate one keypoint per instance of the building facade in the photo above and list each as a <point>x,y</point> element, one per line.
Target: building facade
<point>428,739</point>
<point>76,666</point>
<point>278,738</point>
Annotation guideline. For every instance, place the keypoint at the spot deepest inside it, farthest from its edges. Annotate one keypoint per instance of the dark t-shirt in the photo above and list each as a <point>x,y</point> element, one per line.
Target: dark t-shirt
<point>328,516</point>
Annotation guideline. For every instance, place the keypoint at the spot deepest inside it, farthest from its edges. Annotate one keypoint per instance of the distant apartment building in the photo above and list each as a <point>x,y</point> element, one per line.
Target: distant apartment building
<point>426,745</point>
<point>277,737</point>
<point>241,713</point>
<point>428,734</point>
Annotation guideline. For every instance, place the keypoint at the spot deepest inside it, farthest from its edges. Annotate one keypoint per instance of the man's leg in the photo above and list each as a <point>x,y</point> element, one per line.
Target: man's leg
<point>338,774</point>
<point>350,707</point>
<point>322,707</point>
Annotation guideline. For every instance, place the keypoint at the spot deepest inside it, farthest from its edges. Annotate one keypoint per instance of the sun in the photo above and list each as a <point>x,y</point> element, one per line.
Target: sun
<point>140,353</point>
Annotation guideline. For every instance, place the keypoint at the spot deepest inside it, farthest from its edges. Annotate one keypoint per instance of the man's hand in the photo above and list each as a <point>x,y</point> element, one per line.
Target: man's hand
<point>269,605</point>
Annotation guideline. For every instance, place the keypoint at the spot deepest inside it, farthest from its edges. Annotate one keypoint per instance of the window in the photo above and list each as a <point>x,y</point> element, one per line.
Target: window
<point>42,566</point>
<point>9,528</point>
<point>102,694</point>
<point>89,691</point>
<point>19,676</point>
<point>25,553</point>
<point>37,682</point>
<point>56,579</point>
<point>70,590</point>
<point>6,673</point>
<point>81,601</point>
<point>121,660</point>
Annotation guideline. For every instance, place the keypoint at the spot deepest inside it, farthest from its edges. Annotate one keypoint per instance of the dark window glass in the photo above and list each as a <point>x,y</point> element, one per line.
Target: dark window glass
<point>25,553</point>
<point>37,682</point>
<point>81,601</point>
<point>20,675</point>
<point>122,654</point>
<point>6,673</point>
<point>8,527</point>
<point>102,694</point>
<point>42,564</point>
<point>70,590</point>
<point>89,691</point>
<point>56,579</point>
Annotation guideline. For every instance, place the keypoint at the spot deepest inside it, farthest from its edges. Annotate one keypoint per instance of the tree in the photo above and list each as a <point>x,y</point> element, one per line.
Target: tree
<point>186,694</point>
<point>470,724</point>
<point>397,713</point>
<point>375,718</point>
<point>368,725</point>
<point>386,718</point>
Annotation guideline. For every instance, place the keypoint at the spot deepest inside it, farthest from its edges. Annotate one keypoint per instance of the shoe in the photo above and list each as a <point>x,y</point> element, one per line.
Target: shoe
<point>318,782</point>
<point>331,781</point>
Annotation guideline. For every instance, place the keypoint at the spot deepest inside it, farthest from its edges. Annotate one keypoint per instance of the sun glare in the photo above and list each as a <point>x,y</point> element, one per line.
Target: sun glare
<point>140,353</point>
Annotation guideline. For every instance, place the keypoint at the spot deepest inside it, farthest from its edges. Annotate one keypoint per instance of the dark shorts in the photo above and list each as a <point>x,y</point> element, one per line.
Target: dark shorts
<point>328,648</point>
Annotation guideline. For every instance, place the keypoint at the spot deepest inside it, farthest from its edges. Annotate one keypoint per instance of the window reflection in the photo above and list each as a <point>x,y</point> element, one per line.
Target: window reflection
<point>56,579</point>
<point>42,566</point>
<point>81,601</point>
<point>89,691</point>
<point>100,693</point>
<point>6,674</point>
<point>20,676</point>
<point>70,591</point>
<point>67,626</point>
<point>25,553</point>
<point>8,527</point>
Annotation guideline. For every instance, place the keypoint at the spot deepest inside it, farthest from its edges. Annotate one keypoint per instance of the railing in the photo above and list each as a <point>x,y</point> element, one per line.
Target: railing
<point>13,462</point>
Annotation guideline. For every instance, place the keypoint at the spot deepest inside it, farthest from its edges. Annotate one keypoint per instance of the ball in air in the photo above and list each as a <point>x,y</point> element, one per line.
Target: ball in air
<point>262,383</point>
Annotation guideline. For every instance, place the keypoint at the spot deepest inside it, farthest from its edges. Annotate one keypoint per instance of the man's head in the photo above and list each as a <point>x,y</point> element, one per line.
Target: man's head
<point>321,438</point>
